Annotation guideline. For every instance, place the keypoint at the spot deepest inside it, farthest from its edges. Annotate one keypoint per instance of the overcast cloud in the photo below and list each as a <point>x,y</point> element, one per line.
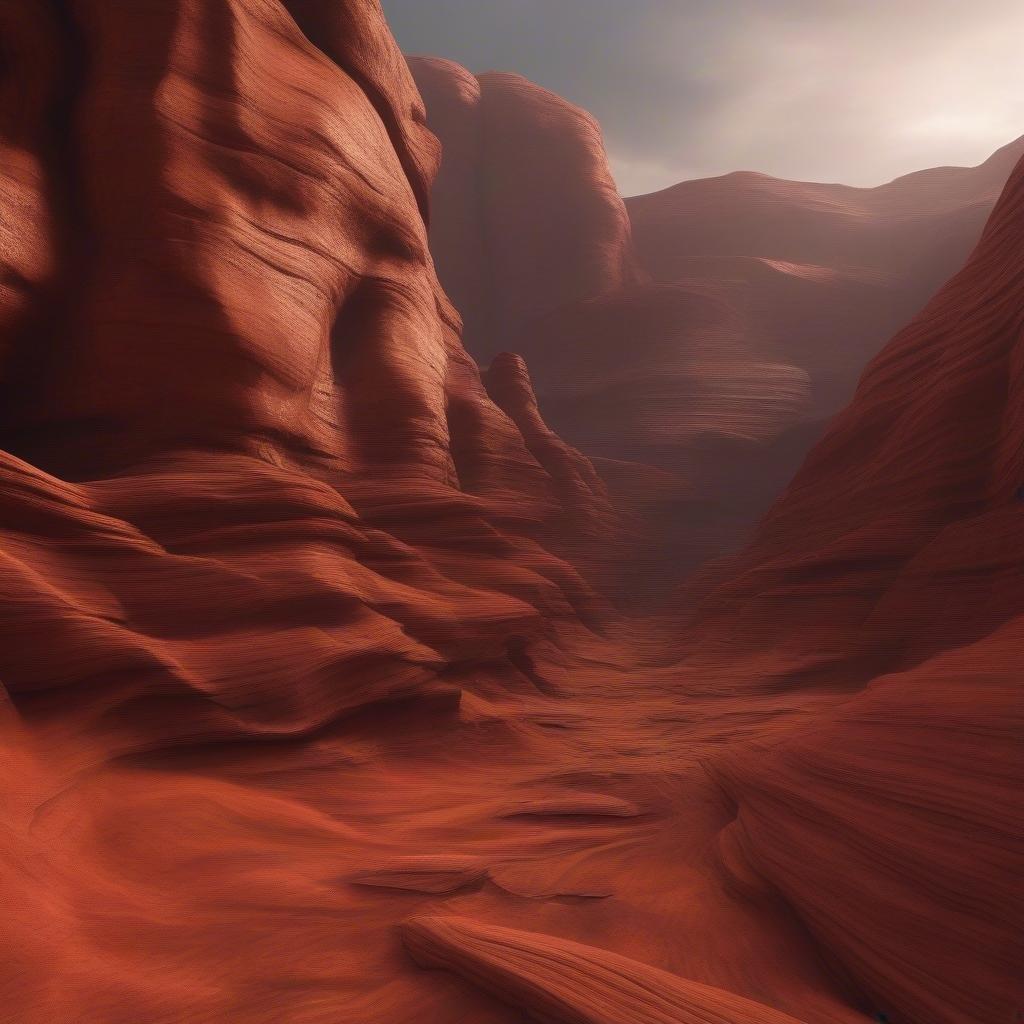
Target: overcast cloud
<point>857,91</point>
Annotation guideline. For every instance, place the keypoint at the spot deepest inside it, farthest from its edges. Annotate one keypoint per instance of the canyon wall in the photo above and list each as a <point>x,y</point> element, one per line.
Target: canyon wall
<point>251,482</point>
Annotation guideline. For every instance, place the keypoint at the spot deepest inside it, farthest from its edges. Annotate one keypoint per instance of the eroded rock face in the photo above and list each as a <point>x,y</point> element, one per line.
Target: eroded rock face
<point>893,830</point>
<point>918,476</point>
<point>526,216</point>
<point>251,482</point>
<point>231,345</point>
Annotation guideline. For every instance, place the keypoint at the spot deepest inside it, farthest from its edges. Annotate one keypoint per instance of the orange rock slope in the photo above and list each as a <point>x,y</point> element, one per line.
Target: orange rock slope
<point>316,707</point>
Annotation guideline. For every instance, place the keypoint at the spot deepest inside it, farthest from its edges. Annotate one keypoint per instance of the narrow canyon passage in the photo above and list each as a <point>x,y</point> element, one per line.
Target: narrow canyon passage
<point>325,693</point>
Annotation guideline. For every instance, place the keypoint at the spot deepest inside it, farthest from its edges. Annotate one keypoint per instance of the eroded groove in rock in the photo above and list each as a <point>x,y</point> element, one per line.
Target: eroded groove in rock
<point>557,981</point>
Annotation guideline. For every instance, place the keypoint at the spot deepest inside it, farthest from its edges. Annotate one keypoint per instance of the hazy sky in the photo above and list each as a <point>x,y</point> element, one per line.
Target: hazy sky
<point>857,91</point>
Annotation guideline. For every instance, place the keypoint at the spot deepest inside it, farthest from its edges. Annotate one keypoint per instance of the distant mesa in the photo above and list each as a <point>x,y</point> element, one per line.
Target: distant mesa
<point>711,329</point>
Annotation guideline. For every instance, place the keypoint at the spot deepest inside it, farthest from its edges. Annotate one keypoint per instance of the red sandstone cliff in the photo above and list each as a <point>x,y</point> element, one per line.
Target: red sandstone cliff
<point>250,480</point>
<point>237,301</point>
<point>504,259</point>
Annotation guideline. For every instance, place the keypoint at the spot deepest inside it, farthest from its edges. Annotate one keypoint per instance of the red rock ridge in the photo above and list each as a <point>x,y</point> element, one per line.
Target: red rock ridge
<point>827,272</point>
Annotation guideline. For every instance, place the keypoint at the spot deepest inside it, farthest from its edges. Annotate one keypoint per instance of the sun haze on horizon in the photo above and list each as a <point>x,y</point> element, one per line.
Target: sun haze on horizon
<point>821,91</point>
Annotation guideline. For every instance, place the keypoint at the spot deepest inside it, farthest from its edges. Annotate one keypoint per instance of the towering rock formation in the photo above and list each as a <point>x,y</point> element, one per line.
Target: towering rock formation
<point>226,339</point>
<point>250,480</point>
<point>525,215</point>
